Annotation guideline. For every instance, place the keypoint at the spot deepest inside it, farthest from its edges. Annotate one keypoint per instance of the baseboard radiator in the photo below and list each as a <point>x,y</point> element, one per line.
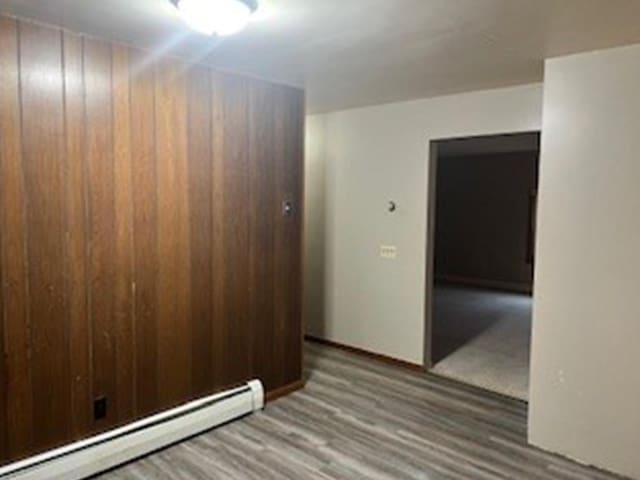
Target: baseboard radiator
<point>111,449</point>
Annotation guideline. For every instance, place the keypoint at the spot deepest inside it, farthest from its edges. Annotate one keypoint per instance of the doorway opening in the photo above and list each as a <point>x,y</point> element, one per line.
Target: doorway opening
<point>480,261</point>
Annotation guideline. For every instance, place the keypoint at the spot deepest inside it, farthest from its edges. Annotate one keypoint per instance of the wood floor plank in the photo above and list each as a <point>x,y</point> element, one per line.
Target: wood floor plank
<point>357,418</point>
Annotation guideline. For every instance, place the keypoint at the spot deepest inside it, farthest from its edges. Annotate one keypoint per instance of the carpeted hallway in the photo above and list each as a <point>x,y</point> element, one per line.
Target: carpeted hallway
<point>482,337</point>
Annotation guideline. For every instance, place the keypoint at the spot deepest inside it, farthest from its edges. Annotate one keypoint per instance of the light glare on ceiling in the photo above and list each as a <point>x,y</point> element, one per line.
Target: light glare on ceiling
<point>222,17</point>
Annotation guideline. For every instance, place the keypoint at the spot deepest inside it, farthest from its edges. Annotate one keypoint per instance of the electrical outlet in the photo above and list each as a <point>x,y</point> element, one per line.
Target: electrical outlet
<point>389,252</point>
<point>100,408</point>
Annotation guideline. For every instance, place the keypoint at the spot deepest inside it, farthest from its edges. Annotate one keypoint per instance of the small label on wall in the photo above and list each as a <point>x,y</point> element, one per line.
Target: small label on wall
<point>388,251</point>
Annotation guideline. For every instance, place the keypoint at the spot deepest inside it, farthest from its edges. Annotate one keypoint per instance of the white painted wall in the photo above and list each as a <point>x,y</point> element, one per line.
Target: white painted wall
<point>314,221</point>
<point>373,155</point>
<point>585,385</point>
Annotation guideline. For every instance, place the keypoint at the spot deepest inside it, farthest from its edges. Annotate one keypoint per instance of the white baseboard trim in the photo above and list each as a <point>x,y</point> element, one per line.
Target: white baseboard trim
<point>108,450</point>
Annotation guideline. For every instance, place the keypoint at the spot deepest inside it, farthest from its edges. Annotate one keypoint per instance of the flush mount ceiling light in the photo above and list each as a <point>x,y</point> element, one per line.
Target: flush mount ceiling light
<point>222,17</point>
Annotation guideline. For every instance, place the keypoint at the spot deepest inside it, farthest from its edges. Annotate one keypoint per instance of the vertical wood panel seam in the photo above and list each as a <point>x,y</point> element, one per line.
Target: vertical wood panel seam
<point>87,220</point>
<point>4,384</point>
<point>156,387</point>
<point>188,87</point>
<point>21,277</point>
<point>4,340</point>
<point>115,351</point>
<point>250,231</point>
<point>25,223</point>
<point>134,318</point>
<point>65,222</point>
<point>64,186</point>
<point>250,193</point>
<point>211,193</point>
<point>215,236</point>
<point>247,220</point>
<point>72,74</point>
<point>113,345</point>
<point>301,124</point>
<point>120,60</point>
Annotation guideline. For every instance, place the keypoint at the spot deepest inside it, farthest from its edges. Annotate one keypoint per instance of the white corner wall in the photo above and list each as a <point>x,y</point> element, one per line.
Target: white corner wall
<point>585,382</point>
<point>314,222</point>
<point>373,155</point>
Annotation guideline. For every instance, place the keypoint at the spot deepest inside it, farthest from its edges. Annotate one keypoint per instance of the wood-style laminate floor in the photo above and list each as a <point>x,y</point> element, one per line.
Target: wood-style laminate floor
<point>359,419</point>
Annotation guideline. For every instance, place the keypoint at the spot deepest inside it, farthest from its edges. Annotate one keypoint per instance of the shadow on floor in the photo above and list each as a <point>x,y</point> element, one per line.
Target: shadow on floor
<point>460,314</point>
<point>482,337</point>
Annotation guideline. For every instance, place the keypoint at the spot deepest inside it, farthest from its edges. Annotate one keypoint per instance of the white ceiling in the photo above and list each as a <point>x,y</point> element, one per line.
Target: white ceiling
<point>351,53</point>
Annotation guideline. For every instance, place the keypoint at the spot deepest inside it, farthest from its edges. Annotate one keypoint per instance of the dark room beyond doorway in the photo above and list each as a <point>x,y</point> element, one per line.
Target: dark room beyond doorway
<point>483,260</point>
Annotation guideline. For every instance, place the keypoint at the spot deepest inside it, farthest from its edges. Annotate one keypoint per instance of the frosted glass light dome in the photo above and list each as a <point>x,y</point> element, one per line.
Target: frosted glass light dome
<point>221,17</point>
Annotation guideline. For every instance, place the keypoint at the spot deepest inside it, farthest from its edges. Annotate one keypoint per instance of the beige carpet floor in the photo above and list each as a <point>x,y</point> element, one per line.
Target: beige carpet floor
<point>482,338</point>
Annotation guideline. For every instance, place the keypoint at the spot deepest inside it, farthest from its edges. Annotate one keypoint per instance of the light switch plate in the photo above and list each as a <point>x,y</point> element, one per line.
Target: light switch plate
<point>388,251</point>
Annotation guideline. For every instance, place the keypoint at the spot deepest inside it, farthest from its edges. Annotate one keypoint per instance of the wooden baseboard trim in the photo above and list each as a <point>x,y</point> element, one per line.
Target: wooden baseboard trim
<point>413,367</point>
<point>284,391</point>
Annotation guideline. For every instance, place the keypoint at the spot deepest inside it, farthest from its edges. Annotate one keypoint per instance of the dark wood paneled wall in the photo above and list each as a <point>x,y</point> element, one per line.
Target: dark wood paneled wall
<point>145,257</point>
<point>483,218</point>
